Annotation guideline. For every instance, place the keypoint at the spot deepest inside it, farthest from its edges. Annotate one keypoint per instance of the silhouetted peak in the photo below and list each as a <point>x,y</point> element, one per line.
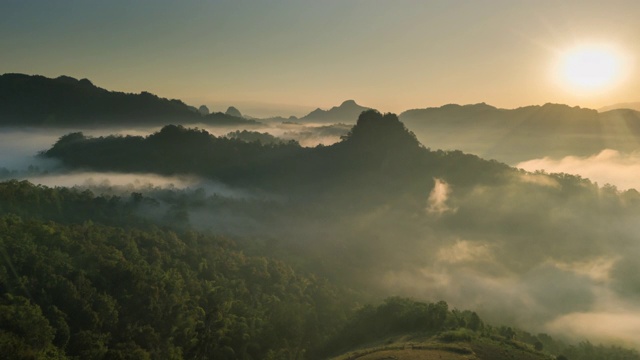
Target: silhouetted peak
<point>232,111</point>
<point>204,110</point>
<point>555,106</point>
<point>178,134</point>
<point>346,112</point>
<point>349,103</point>
<point>383,131</point>
<point>67,79</point>
<point>172,129</point>
<point>566,111</point>
<point>86,82</point>
<point>480,106</point>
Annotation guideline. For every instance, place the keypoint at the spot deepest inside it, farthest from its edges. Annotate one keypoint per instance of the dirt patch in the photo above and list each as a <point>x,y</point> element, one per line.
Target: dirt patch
<point>415,354</point>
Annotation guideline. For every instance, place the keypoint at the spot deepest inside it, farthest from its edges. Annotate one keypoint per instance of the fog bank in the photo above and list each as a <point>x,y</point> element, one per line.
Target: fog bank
<point>607,167</point>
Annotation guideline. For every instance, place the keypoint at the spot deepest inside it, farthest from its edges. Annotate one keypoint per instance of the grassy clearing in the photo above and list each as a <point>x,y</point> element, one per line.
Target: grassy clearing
<point>451,345</point>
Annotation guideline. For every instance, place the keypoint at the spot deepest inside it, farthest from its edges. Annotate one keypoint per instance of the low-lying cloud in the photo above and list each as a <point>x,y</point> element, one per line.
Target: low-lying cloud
<point>113,180</point>
<point>113,183</point>
<point>607,167</point>
<point>613,326</point>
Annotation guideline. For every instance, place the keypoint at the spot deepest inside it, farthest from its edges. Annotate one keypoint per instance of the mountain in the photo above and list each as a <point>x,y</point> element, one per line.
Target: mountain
<point>630,105</point>
<point>232,111</point>
<point>524,133</point>
<point>347,112</point>
<point>27,100</point>
<point>175,150</point>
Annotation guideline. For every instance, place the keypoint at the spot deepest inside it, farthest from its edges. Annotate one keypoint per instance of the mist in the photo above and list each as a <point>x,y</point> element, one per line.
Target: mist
<point>19,147</point>
<point>307,135</point>
<point>510,251</point>
<point>526,259</point>
<point>607,167</point>
<point>114,181</point>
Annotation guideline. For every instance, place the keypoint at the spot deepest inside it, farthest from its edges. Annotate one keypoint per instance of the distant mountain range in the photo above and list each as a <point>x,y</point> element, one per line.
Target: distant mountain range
<point>347,113</point>
<point>507,135</point>
<point>525,133</point>
<point>27,100</point>
<point>629,105</point>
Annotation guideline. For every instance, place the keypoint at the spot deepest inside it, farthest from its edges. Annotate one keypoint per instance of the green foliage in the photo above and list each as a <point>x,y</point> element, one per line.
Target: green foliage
<point>66,205</point>
<point>176,150</point>
<point>587,351</point>
<point>107,292</point>
<point>398,315</point>
<point>24,332</point>
<point>456,335</point>
<point>254,136</point>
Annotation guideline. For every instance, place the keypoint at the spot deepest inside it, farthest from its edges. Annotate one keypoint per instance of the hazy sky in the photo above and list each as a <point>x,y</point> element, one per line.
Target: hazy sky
<point>287,56</point>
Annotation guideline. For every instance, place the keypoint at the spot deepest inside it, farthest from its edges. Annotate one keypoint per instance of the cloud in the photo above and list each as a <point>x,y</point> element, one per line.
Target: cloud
<point>598,269</point>
<point>124,183</point>
<point>539,179</point>
<point>437,201</point>
<point>609,166</point>
<point>18,147</point>
<point>621,327</point>
<point>465,251</point>
<point>106,180</point>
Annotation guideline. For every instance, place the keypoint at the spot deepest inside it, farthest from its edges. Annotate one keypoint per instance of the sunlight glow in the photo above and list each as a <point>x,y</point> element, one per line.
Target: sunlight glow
<point>590,68</point>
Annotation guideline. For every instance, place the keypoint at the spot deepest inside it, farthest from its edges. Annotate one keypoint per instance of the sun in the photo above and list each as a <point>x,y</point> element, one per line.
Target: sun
<point>590,68</point>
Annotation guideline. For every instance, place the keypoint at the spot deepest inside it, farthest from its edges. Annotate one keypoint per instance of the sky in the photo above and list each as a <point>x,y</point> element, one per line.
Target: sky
<point>286,57</point>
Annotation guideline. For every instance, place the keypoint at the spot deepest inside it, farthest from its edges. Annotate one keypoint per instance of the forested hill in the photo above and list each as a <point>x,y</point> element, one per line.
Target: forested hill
<point>65,101</point>
<point>378,152</point>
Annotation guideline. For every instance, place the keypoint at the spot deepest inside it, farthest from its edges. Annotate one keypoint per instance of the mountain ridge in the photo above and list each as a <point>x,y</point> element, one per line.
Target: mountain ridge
<point>35,100</point>
<point>346,112</point>
<point>535,131</point>
<point>627,105</point>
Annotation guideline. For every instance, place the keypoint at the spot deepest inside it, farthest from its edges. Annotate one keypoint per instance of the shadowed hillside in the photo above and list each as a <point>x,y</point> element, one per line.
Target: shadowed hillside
<point>64,101</point>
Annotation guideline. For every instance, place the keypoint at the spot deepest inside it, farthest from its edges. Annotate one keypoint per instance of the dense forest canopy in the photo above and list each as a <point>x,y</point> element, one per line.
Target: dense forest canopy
<point>90,291</point>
